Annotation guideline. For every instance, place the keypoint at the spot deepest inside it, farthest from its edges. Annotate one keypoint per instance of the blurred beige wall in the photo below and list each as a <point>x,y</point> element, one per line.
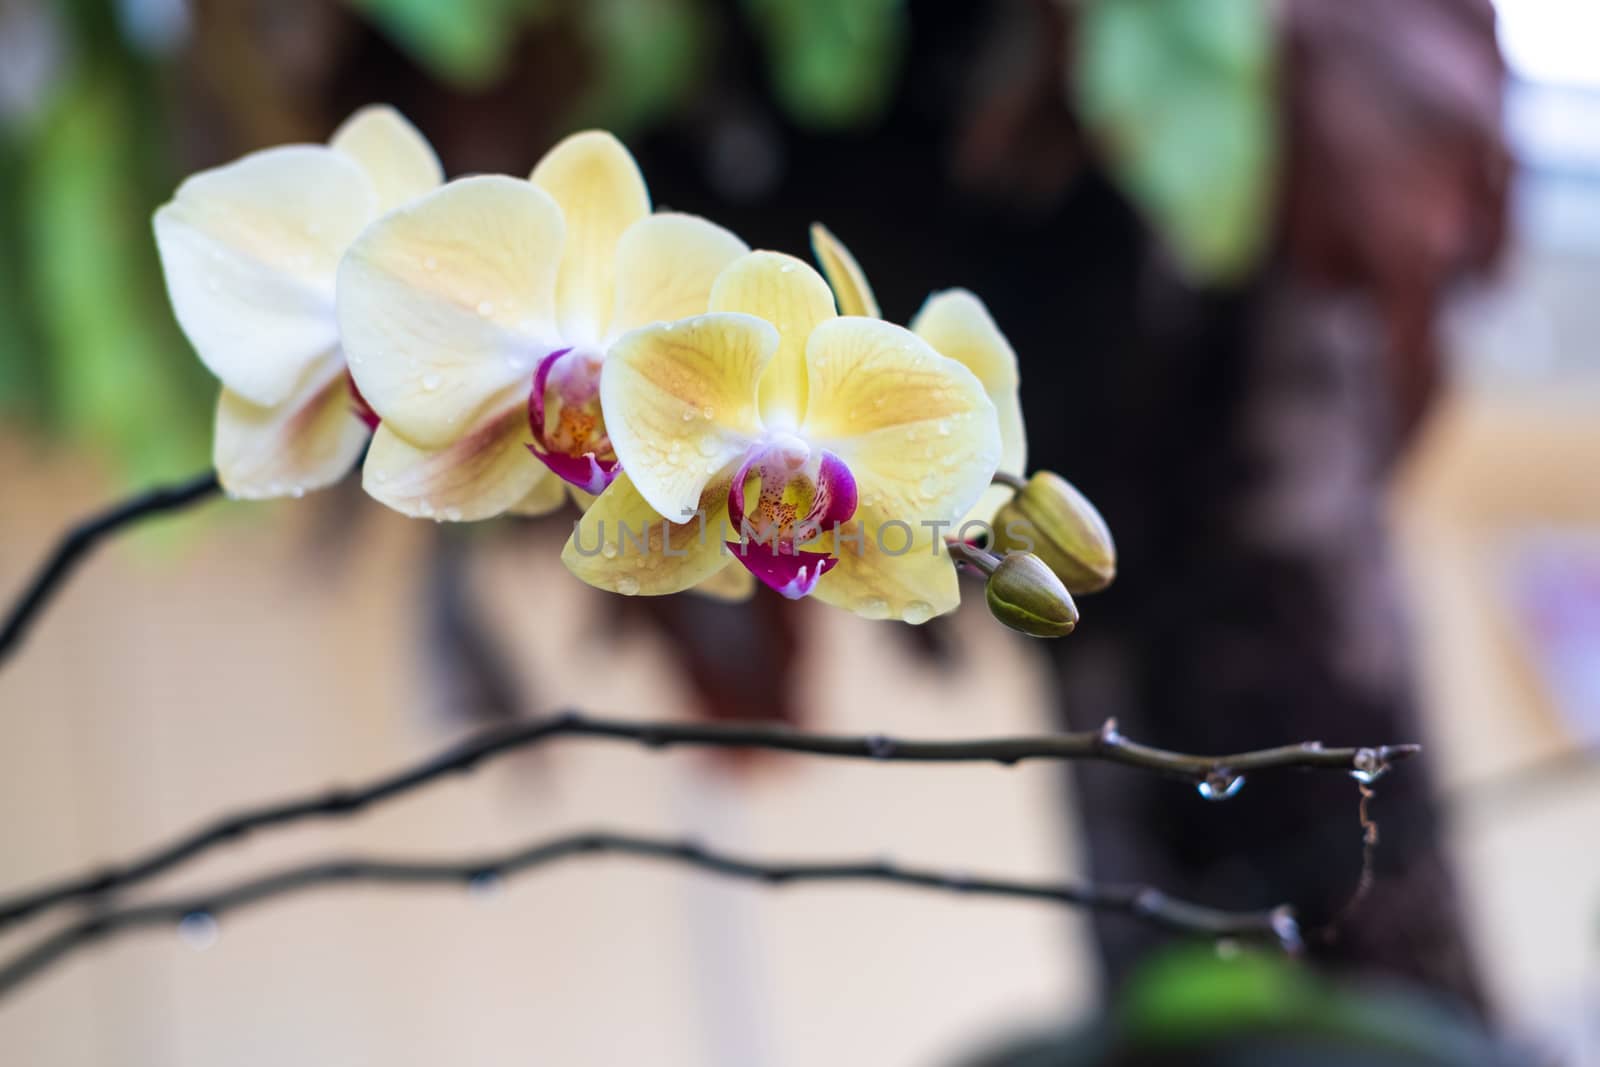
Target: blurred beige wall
<point>237,656</point>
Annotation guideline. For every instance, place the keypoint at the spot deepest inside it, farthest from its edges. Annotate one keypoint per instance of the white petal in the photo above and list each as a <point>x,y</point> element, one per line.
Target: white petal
<point>250,251</point>
<point>397,158</point>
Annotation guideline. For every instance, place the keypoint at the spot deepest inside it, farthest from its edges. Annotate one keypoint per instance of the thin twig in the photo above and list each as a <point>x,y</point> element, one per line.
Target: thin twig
<point>1215,774</point>
<point>78,541</point>
<point>1276,925</point>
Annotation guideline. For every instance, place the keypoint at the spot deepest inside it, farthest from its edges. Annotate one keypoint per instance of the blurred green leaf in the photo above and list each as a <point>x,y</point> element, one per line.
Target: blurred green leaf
<point>648,54</point>
<point>120,373</point>
<point>834,63</point>
<point>1194,998</point>
<point>466,42</point>
<point>1181,98</point>
<point>23,387</point>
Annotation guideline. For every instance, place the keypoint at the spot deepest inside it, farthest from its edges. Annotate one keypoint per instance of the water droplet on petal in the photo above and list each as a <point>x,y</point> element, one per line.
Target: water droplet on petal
<point>628,585</point>
<point>1220,785</point>
<point>199,930</point>
<point>786,268</point>
<point>430,382</point>
<point>917,612</point>
<point>486,308</point>
<point>873,608</point>
<point>452,514</point>
<point>609,550</point>
<point>708,411</point>
<point>944,429</point>
<point>707,446</point>
<point>688,415</point>
<point>929,486</point>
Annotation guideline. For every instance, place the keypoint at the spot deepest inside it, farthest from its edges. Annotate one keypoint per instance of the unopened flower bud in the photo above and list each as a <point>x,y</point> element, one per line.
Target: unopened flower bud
<point>1049,517</point>
<point>1026,595</point>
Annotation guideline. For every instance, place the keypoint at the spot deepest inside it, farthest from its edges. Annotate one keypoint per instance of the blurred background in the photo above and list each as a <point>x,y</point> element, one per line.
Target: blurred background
<point>1304,296</point>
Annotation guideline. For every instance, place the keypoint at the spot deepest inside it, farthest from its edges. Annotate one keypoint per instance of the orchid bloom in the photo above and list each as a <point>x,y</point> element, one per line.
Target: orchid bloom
<point>250,251</point>
<point>956,323</point>
<point>477,319</point>
<point>831,450</point>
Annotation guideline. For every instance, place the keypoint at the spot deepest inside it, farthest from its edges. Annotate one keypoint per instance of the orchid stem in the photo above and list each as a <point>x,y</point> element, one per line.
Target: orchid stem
<point>1275,926</point>
<point>1011,481</point>
<point>973,556</point>
<point>1105,744</point>
<point>81,539</point>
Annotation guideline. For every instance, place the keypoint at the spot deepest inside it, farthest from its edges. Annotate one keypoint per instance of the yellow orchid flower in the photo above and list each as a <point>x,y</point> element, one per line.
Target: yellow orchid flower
<point>477,318</point>
<point>250,251</point>
<point>833,451</point>
<point>956,323</point>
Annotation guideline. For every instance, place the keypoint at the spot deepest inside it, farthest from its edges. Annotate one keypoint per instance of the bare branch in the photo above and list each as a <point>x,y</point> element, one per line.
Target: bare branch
<point>1216,775</point>
<point>1275,926</point>
<point>78,541</point>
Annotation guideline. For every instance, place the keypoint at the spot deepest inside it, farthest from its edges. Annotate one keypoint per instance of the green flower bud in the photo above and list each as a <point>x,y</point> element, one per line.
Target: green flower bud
<point>1049,517</point>
<point>1026,595</point>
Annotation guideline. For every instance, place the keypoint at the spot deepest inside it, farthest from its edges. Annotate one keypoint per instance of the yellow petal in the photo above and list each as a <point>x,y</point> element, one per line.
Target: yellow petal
<point>249,251</point>
<point>666,265</point>
<point>732,584</point>
<point>446,305</point>
<point>957,325</point>
<point>398,159</point>
<point>844,274</point>
<point>601,193</point>
<point>794,298</point>
<point>309,441</point>
<point>622,544</point>
<point>916,429</point>
<point>891,571</point>
<point>546,496</point>
<point>680,403</point>
<point>480,476</point>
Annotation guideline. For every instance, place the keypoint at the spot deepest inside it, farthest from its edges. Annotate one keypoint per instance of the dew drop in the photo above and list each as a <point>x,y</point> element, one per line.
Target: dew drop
<point>1220,785</point>
<point>873,608</point>
<point>708,411</point>
<point>484,887</point>
<point>486,308</point>
<point>609,550</point>
<point>880,747</point>
<point>430,382</point>
<point>929,486</point>
<point>199,930</point>
<point>917,612</point>
<point>688,415</point>
<point>628,585</point>
<point>944,429</point>
<point>452,514</point>
<point>1369,766</point>
<point>786,268</point>
<point>707,446</point>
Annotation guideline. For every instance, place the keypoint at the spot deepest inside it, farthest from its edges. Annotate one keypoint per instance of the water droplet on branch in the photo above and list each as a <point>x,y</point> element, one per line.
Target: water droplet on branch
<point>1220,785</point>
<point>199,930</point>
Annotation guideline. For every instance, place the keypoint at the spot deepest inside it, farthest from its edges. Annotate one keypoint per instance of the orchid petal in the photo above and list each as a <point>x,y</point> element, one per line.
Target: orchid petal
<point>958,326</point>
<point>310,441</point>
<point>732,585</point>
<point>888,569</point>
<point>916,429</point>
<point>598,187</point>
<point>547,495</point>
<point>483,474</point>
<point>844,274</point>
<point>666,265</point>
<point>680,403</point>
<point>794,298</point>
<point>622,544</point>
<point>249,251</point>
<point>398,159</point>
<point>446,304</point>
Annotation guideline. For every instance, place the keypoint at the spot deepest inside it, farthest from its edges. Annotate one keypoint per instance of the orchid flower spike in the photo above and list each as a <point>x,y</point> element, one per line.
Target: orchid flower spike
<point>478,317</point>
<point>832,452</point>
<point>956,323</point>
<point>250,251</point>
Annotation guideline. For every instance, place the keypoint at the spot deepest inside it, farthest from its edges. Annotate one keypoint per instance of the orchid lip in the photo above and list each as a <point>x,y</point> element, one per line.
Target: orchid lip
<point>586,470</point>
<point>776,556</point>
